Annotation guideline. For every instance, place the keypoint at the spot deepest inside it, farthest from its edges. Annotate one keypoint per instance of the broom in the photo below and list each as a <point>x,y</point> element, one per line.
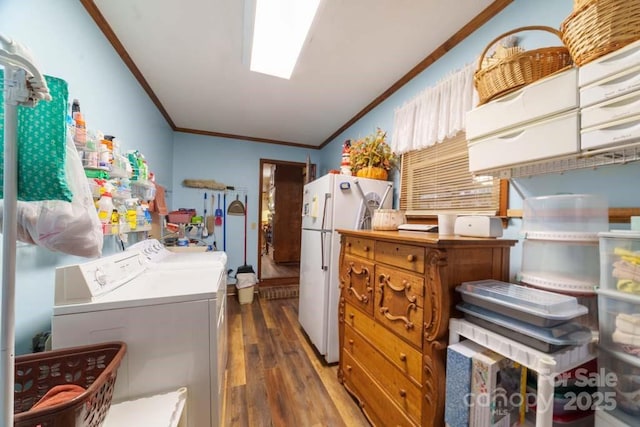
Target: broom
<point>245,268</point>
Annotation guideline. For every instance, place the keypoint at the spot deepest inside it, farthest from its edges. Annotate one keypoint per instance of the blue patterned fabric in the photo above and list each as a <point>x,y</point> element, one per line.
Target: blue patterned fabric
<point>41,142</point>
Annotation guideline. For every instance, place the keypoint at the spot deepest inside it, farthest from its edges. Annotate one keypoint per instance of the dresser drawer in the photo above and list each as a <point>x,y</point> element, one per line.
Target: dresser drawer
<point>405,357</point>
<point>612,63</point>
<point>405,393</point>
<point>400,255</point>
<point>374,401</point>
<point>358,247</point>
<point>357,283</point>
<point>547,138</point>
<point>614,109</point>
<point>611,87</point>
<point>611,134</point>
<point>525,105</point>
<point>397,306</point>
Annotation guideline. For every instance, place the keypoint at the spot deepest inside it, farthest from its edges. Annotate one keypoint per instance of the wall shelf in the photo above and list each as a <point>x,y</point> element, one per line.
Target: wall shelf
<point>618,155</point>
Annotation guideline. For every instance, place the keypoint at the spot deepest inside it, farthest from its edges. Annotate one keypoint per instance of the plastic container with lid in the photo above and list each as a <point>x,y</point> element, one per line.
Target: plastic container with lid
<point>563,266</point>
<point>578,216</point>
<point>620,261</point>
<point>534,306</point>
<point>548,340</point>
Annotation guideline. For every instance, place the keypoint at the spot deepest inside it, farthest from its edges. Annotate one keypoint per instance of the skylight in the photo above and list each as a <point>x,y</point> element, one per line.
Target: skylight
<point>280,29</point>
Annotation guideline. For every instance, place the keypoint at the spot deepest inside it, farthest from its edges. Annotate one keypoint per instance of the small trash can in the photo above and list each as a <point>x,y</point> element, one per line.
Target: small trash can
<point>244,285</point>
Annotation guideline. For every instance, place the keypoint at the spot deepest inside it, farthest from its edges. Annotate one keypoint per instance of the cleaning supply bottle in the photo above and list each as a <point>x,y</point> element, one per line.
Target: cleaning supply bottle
<point>80,134</point>
<point>105,208</point>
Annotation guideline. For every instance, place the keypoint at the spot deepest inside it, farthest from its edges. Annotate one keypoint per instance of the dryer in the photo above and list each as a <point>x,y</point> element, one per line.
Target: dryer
<point>172,319</point>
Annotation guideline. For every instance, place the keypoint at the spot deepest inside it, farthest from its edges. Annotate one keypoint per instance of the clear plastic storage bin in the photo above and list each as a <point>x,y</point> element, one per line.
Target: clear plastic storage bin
<point>567,266</point>
<point>620,322</point>
<point>533,306</point>
<point>620,261</point>
<point>619,382</point>
<point>580,213</point>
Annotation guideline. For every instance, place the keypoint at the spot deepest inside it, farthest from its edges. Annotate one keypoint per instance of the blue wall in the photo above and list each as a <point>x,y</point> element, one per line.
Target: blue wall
<point>66,43</point>
<point>616,182</point>
<point>233,163</point>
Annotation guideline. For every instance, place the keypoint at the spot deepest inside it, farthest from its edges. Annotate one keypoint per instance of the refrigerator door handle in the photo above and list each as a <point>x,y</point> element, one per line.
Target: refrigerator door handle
<point>327,196</point>
<point>323,265</point>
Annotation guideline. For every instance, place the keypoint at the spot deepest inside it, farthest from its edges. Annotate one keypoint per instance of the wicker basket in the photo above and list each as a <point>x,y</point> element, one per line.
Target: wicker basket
<point>93,367</point>
<point>520,69</point>
<point>599,27</point>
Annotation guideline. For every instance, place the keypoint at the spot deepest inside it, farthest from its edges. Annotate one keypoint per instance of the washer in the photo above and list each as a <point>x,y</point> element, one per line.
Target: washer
<point>158,254</point>
<point>172,319</point>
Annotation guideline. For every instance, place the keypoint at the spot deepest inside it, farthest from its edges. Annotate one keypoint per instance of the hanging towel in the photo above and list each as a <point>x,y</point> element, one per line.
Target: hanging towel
<point>41,138</point>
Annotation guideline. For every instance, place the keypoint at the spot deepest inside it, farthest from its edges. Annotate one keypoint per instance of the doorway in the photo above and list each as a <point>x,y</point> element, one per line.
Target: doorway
<point>280,208</point>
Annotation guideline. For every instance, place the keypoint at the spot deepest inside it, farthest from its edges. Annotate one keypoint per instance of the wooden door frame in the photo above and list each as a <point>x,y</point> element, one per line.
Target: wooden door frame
<point>279,280</point>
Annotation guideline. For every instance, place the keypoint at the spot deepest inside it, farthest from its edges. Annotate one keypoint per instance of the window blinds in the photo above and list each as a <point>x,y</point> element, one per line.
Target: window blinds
<point>437,178</point>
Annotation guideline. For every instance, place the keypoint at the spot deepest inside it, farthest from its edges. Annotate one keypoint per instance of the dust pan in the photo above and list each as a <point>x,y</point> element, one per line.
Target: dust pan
<point>236,207</point>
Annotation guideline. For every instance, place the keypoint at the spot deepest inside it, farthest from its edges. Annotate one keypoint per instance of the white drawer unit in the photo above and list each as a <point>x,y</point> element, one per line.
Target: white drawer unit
<point>614,109</point>
<point>612,133</point>
<point>544,98</point>
<point>552,137</point>
<point>610,87</point>
<point>613,63</point>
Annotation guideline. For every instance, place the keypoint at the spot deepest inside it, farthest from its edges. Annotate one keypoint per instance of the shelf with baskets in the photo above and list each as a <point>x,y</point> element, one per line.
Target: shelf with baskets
<point>605,96</point>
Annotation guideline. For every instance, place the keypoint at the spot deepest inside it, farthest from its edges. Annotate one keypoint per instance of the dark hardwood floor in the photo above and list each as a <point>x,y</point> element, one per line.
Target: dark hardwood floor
<point>274,377</point>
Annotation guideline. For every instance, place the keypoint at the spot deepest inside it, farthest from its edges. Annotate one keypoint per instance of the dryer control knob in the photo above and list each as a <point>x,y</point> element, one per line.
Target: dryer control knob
<point>101,276</point>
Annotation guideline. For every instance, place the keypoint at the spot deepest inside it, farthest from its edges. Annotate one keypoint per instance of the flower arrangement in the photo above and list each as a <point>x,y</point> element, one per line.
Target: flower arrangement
<point>372,151</point>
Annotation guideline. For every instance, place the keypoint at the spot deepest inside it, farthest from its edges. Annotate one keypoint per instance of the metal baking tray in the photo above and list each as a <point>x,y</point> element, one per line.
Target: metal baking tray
<point>548,340</point>
<point>534,306</point>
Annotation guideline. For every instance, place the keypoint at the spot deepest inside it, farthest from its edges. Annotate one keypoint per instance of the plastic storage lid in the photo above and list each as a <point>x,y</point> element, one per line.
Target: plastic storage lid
<point>544,304</point>
<point>568,333</point>
<point>625,234</point>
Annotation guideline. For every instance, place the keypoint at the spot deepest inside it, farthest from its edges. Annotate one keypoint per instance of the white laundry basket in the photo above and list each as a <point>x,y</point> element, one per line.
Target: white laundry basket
<point>245,283</point>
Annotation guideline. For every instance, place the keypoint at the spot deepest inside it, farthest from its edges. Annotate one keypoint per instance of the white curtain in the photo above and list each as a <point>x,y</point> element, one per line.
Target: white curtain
<point>437,113</point>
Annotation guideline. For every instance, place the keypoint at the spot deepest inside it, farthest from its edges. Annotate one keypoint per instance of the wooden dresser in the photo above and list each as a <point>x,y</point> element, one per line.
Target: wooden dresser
<point>397,292</point>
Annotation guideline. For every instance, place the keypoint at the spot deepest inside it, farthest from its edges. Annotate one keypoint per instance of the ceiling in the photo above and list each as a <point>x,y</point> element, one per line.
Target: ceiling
<point>190,57</point>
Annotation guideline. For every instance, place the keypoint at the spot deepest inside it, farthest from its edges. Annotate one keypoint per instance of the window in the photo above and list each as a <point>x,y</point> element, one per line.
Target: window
<point>437,179</point>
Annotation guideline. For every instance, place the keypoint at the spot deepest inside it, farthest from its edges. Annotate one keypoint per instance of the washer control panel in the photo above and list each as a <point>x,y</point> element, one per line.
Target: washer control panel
<point>80,283</point>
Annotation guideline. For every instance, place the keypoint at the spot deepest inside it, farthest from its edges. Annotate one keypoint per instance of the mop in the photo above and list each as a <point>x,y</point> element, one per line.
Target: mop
<point>23,85</point>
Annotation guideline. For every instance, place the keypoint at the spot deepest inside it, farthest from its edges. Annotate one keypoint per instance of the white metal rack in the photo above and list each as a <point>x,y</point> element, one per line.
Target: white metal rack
<point>548,366</point>
<point>618,155</point>
<point>23,85</point>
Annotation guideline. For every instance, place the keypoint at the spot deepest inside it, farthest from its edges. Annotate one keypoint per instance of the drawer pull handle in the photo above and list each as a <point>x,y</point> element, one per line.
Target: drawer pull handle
<point>351,315</point>
<point>349,368</point>
<point>349,244</point>
<point>351,342</point>
<point>364,274</point>
<point>365,248</point>
<point>411,258</point>
<point>403,357</point>
<point>405,287</point>
<point>403,393</point>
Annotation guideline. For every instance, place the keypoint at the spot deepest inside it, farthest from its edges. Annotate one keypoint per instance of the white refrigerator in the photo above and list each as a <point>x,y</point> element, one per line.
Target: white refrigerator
<point>329,203</point>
